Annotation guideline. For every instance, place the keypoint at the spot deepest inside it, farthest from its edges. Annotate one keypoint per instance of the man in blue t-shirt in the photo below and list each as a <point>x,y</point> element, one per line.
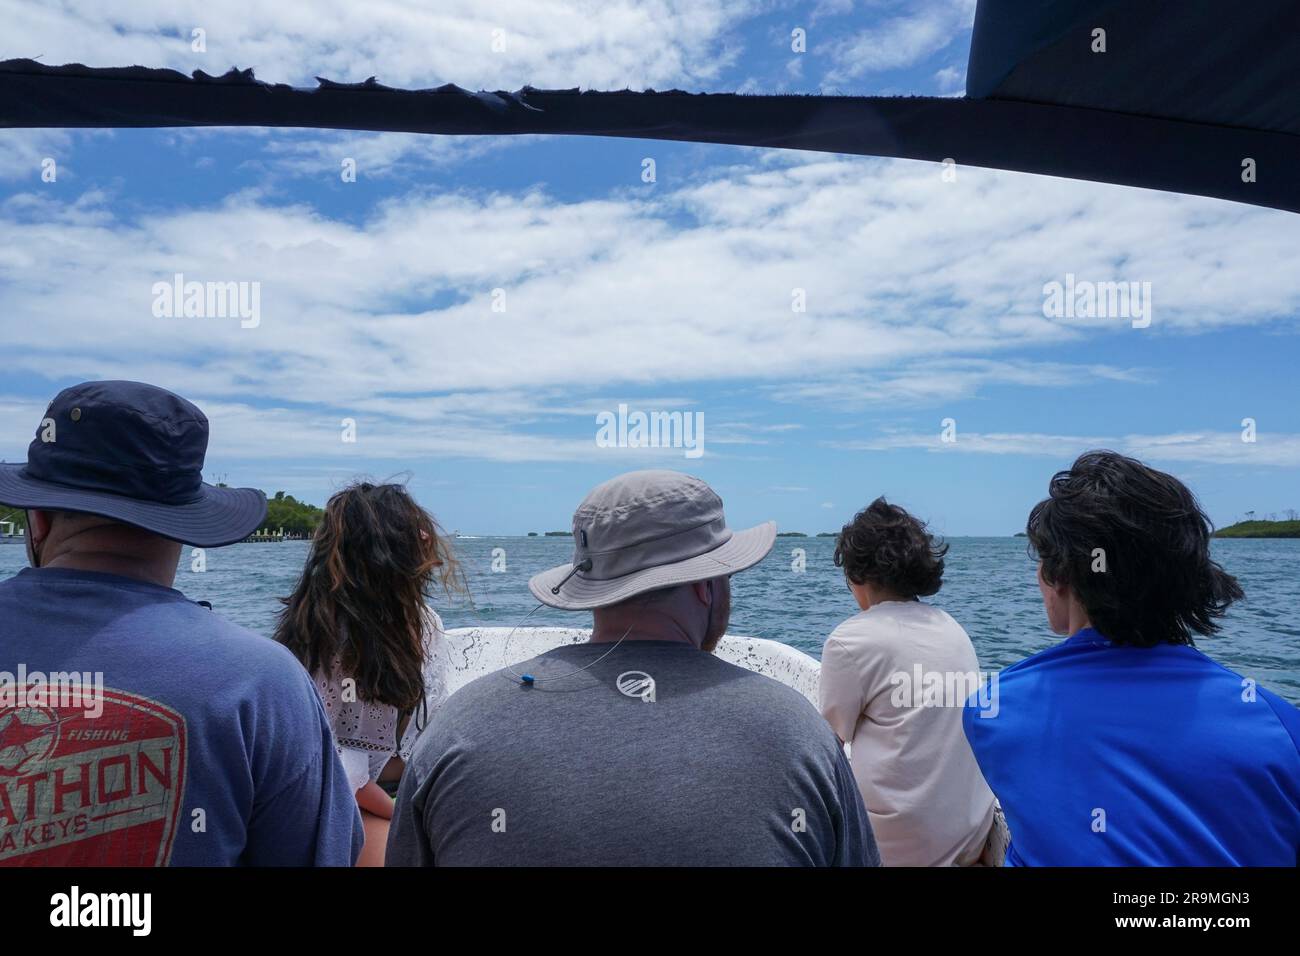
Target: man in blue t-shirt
<point>136,727</point>
<point>1124,745</point>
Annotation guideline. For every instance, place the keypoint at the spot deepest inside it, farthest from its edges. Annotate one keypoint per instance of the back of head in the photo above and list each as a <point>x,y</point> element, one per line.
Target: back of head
<point>87,542</point>
<point>361,597</point>
<point>109,534</point>
<point>1133,545</point>
<point>887,547</point>
<point>698,612</point>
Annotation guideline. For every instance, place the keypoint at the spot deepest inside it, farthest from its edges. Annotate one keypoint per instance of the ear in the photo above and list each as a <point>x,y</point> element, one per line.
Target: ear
<point>703,593</point>
<point>1059,589</point>
<point>39,524</point>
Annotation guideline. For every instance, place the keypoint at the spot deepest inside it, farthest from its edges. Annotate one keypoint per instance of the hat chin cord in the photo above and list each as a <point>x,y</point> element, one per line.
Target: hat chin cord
<point>584,566</point>
<point>529,680</point>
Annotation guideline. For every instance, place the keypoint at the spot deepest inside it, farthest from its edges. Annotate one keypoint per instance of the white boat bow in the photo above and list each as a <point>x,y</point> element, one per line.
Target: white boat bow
<point>475,651</point>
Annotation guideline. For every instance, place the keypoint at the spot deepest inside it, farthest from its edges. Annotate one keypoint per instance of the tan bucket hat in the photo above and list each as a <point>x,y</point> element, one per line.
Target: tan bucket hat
<point>644,531</point>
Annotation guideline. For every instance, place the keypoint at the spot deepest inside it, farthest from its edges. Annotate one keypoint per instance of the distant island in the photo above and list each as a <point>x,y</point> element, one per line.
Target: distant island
<point>286,513</point>
<point>298,519</point>
<point>1261,529</point>
<point>286,517</point>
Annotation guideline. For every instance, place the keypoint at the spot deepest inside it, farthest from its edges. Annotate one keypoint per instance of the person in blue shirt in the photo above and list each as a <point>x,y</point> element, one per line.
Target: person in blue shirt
<point>1124,745</point>
<point>138,728</point>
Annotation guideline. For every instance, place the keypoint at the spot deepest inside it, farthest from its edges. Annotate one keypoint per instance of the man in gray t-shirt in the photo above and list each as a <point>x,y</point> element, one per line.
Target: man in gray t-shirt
<point>639,747</point>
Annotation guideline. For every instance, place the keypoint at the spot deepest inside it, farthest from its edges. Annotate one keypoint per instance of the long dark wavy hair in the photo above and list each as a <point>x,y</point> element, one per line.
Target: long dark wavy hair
<point>1158,583</point>
<point>361,597</point>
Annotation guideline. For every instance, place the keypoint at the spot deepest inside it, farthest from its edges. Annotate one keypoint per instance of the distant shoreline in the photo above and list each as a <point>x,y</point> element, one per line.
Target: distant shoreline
<point>1260,529</point>
<point>301,531</point>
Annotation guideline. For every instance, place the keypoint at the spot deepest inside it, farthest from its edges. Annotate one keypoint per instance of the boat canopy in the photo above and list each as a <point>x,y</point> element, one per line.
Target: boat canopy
<point>1189,96</point>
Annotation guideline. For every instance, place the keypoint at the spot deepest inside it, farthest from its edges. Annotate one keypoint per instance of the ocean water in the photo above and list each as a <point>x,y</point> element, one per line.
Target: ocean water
<point>988,587</point>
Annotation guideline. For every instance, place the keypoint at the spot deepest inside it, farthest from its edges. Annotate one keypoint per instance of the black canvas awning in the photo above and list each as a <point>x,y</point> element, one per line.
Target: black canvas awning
<point>1195,96</point>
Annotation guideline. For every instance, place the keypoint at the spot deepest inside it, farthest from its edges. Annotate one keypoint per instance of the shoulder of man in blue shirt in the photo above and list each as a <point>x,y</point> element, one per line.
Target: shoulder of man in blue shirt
<point>1124,667</point>
<point>1088,703</point>
<point>101,614</point>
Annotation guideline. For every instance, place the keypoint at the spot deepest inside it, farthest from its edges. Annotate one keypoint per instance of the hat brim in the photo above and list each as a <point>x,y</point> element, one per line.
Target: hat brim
<point>219,517</point>
<point>743,550</point>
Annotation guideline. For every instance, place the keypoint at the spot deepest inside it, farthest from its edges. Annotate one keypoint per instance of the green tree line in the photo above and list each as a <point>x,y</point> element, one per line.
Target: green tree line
<point>293,516</point>
<point>1265,528</point>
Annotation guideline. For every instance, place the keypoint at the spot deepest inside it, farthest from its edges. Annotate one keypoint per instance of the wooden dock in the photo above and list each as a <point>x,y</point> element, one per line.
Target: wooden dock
<point>274,537</point>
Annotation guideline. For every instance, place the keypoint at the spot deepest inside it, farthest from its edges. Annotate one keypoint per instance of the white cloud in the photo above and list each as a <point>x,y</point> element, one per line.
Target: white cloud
<point>320,153</point>
<point>1216,448</point>
<point>376,155</point>
<point>592,43</point>
<point>898,41</point>
<point>925,384</point>
<point>830,8</point>
<point>951,80</point>
<point>244,432</point>
<point>916,289</point>
<point>23,151</point>
<point>748,433</point>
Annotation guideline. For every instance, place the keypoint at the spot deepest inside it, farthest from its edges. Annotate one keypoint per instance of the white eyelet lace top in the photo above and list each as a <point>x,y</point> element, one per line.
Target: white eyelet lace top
<point>365,733</point>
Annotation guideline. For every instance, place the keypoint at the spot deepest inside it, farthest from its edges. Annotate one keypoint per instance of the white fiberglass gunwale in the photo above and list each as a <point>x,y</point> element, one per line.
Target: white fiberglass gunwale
<point>475,651</point>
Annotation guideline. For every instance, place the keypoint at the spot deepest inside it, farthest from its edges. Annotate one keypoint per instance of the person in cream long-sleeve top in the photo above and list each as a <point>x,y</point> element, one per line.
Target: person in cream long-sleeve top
<point>887,676</point>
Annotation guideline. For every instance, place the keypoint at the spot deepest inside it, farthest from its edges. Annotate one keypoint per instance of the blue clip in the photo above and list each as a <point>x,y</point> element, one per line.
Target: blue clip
<point>527,678</point>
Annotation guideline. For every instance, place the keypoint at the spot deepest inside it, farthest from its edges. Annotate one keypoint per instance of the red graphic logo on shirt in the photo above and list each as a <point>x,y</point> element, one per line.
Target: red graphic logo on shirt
<point>79,790</point>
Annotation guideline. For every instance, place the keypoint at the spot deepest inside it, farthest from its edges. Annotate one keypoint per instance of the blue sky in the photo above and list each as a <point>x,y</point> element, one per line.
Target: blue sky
<point>924,297</point>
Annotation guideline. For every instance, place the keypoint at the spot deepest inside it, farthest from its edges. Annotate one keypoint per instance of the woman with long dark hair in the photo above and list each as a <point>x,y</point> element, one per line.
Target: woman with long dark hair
<point>359,622</point>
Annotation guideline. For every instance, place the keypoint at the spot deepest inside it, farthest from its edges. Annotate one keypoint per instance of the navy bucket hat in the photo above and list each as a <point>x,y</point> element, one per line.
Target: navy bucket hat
<point>133,453</point>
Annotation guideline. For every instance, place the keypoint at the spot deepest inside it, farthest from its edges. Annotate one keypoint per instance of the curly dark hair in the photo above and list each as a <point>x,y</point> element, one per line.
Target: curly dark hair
<point>886,546</point>
<point>1159,584</point>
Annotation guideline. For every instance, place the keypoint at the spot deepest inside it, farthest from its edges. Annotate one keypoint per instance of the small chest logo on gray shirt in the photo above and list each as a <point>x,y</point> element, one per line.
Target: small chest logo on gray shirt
<point>636,684</point>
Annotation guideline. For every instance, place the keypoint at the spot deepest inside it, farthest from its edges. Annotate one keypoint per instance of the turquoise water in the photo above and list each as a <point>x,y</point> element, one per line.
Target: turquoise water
<point>989,587</point>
